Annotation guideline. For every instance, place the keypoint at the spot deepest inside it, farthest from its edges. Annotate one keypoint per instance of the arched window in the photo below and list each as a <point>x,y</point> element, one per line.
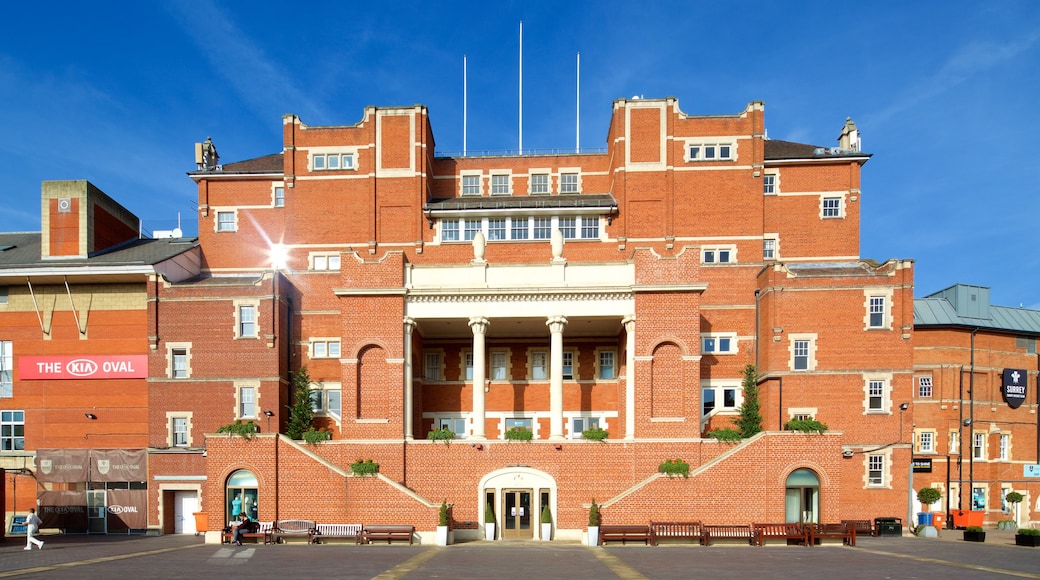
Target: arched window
<point>241,495</point>
<point>802,500</point>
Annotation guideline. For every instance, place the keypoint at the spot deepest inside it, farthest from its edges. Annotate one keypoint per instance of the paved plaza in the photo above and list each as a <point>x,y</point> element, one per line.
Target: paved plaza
<point>140,557</point>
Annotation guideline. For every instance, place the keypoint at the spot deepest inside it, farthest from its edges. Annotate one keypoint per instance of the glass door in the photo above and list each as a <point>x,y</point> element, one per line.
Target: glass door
<point>516,515</point>
<point>96,511</point>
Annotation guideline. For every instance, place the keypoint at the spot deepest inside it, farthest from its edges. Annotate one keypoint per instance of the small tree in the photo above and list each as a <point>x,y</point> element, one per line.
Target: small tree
<point>750,420</point>
<point>593,514</point>
<point>489,514</point>
<point>546,515</point>
<point>301,413</point>
<point>928,495</point>
<point>1013,498</point>
<point>442,518</point>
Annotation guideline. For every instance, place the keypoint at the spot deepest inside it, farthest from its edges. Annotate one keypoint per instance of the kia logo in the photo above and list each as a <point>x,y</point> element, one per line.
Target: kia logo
<point>81,367</point>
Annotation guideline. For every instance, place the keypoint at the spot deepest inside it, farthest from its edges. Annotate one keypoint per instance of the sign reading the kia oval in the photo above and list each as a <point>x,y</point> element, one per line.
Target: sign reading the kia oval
<point>130,366</point>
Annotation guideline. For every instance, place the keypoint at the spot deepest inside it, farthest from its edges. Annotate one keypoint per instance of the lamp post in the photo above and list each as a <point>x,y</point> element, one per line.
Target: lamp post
<point>269,414</point>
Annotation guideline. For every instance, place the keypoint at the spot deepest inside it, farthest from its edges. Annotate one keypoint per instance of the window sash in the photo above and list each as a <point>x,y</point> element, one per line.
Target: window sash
<point>590,228</point>
<point>768,183</point>
<point>540,183</point>
<point>978,442</point>
<point>432,366</point>
<point>469,366</point>
<point>498,366</point>
<point>496,229</point>
<point>801,355</point>
<point>1004,440</point>
<point>471,227</point>
<point>334,402</point>
<point>450,230</point>
<point>499,184</point>
<point>768,249</point>
<point>876,470</point>
<point>225,221</point>
<point>877,311</point>
<point>247,402</point>
<point>568,227</point>
<point>6,368</point>
<point>180,363</point>
<point>831,207</point>
<point>180,432</point>
<point>520,229</point>
<point>538,365</point>
<point>926,441</point>
<point>247,320</point>
<point>12,431</point>
<point>568,365</point>
<point>569,183</point>
<point>279,197</point>
<point>470,185</point>
<point>542,228</point>
<point>606,365</point>
<point>875,392</point>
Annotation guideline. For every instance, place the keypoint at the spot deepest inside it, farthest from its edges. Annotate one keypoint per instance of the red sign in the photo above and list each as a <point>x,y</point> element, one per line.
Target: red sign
<point>129,366</point>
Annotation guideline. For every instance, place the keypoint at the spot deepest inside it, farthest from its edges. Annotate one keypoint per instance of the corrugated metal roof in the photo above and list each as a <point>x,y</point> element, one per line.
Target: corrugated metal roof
<point>937,310</point>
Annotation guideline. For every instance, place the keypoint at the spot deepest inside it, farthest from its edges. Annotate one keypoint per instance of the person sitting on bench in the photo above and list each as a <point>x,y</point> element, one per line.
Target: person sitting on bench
<point>243,526</point>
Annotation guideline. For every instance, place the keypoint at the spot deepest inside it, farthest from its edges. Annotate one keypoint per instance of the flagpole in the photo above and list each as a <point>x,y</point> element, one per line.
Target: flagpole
<point>521,87</point>
<point>465,105</point>
<point>577,107</point>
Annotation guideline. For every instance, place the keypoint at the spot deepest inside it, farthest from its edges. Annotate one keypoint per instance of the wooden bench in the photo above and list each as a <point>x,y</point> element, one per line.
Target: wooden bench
<point>862,527</point>
<point>262,532</point>
<point>292,529</point>
<point>676,530</point>
<point>389,533</point>
<point>844,532</point>
<point>324,532</point>
<point>624,534</point>
<point>786,531</point>
<point>728,532</point>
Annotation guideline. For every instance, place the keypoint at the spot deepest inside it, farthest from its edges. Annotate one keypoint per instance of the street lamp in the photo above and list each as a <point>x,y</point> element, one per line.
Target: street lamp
<point>902,407</point>
<point>269,414</point>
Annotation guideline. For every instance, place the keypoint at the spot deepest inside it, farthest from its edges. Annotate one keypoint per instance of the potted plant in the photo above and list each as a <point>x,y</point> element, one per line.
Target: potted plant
<point>489,522</point>
<point>927,496</point>
<point>1028,537</point>
<point>546,523</point>
<point>442,525</point>
<point>1012,498</point>
<point>593,524</point>
<point>974,534</point>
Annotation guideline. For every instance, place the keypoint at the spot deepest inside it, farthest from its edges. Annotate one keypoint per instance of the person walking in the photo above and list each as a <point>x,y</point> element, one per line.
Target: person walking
<point>32,523</point>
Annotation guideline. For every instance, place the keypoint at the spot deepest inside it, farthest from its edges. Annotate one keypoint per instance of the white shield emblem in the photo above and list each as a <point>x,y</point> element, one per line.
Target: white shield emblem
<point>46,465</point>
<point>103,465</point>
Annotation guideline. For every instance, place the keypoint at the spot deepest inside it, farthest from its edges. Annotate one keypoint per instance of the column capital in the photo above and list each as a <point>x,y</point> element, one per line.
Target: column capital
<point>409,324</point>
<point>479,324</point>
<point>556,323</point>
<point>629,321</point>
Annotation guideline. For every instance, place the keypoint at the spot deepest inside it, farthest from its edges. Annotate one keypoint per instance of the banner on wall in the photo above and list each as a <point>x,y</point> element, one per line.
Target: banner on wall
<point>127,509</point>
<point>127,366</point>
<point>63,509</point>
<point>100,465</point>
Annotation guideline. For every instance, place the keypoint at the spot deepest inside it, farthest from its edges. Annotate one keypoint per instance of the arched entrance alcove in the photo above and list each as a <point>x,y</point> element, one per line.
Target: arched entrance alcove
<point>802,498</point>
<point>241,494</point>
<point>517,494</point>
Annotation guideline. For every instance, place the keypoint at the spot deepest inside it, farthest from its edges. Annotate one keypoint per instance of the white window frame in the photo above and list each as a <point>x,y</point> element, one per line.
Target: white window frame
<point>924,387</point>
<point>978,445</point>
<point>467,189</point>
<point>713,149</point>
<point>6,369</point>
<point>1004,449</point>
<point>451,230</point>
<point>802,413</point>
<point>810,354</point>
<point>541,228</point>
<point>324,348</point>
<point>831,213</point>
<point>570,360</point>
<point>247,394</point>
<point>954,442</point>
<point>332,159</point>
<point>925,440</point>
<point>518,231</point>
<point>221,225</point>
<point>538,364</point>
<point>569,187</point>
<point>568,226</point>
<point>433,361</point>
<point>497,229</point>
<point>172,417</point>
<point>498,364</point>
<point>10,420</point>
<point>770,248</point>
<point>540,188</point>
<point>600,366</point>
<point>712,255</point>
<point>877,387</point>
<point>325,261</point>
<point>771,182</point>
<point>578,425</point>
<point>719,343</point>
<point>589,228</point>
<point>501,183</point>
<point>239,305</point>
<point>719,391</point>
<point>323,396</point>
<point>876,464</point>
<point>278,194</point>
<point>171,357</point>
<point>877,306</point>
<point>458,425</point>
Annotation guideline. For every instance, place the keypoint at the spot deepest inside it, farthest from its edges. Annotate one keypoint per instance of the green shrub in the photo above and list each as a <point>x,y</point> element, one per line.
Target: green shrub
<point>973,529</point>
<point>446,435</point>
<point>1014,497</point>
<point>489,514</point>
<point>1029,532</point>
<point>727,434</point>
<point>366,467</point>
<point>593,514</point>
<point>546,515</point>
<point>806,426</point>
<point>675,467</point>
<point>246,429</point>
<point>313,436</point>
<point>928,495</point>
<point>519,434</point>
<point>442,517</point>
<point>301,413</point>
<point>595,434</point>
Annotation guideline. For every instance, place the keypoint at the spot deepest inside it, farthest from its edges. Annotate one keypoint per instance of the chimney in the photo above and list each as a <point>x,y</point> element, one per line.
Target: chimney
<point>849,139</point>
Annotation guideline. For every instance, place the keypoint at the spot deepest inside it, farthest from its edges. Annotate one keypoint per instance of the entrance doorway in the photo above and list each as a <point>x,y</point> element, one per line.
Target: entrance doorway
<point>802,499</point>
<point>516,514</point>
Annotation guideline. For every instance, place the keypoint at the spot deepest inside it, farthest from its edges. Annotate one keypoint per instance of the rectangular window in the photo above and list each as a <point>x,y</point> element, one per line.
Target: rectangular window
<point>708,401</point>
<point>471,229</point>
<point>769,183</point>
<point>247,402</point>
<point>538,370</point>
<point>1005,446</point>
<point>518,423</point>
<point>3,291</point>
<point>334,403</point>
<point>454,424</point>
<point>539,183</point>
<point>279,196</point>
<point>877,312</point>
<point>225,221</point>
<point>180,363</point>
<point>317,401</point>
<point>325,349</point>
<point>978,498</point>
<point>450,230</point>
<point>542,228</point>
<point>580,424</point>
<point>498,365</point>
<point>876,394</point>
<point>801,355</point>
<point>955,446</point>
<point>716,344</point>
<point>432,366</point>
<point>717,255</point>
<point>926,442</point>
<point>496,229</point>
<point>722,398</point>
<point>499,184</point>
<point>768,249</point>
<point>6,369</point>
<point>470,185</point>
<point>247,321</point>
<point>568,183</point>
<point>568,227</point>
<point>606,364</point>
<point>568,365</point>
<point>326,262</point>
<point>709,151</point>
<point>12,430</point>
<point>978,445</point>
<point>519,228</point>
<point>924,387</point>
<point>831,207</point>
<point>590,228</point>
<point>875,470</point>
<point>469,366</point>
<point>802,417</point>
<point>332,161</point>
<point>180,431</point>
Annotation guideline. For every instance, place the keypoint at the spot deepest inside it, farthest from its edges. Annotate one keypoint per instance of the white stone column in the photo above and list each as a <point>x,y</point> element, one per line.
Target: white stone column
<point>409,326</point>
<point>630,372</point>
<point>556,325</point>
<point>479,326</point>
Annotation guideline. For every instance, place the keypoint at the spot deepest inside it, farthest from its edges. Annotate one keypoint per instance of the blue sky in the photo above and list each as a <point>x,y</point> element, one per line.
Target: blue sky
<point>944,94</point>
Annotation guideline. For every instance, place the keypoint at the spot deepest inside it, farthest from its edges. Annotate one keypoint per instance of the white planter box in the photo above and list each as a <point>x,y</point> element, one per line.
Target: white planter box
<point>489,531</point>
<point>546,532</point>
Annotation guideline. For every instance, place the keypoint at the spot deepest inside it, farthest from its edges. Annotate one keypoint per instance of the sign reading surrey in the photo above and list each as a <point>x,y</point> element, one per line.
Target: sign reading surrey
<point>1013,387</point>
<point>130,366</point>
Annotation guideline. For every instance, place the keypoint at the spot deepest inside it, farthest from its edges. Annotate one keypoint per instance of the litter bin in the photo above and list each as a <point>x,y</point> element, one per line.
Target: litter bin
<point>939,520</point>
<point>201,522</point>
<point>924,518</point>
<point>888,526</point>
